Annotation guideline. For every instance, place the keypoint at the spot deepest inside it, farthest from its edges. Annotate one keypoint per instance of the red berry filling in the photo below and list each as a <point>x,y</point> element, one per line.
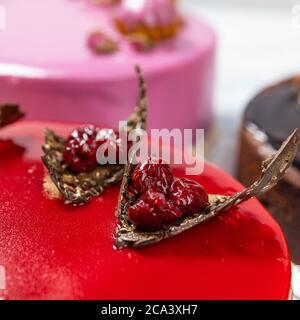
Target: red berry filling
<point>153,174</point>
<point>153,210</point>
<point>81,147</point>
<point>163,199</point>
<point>189,196</point>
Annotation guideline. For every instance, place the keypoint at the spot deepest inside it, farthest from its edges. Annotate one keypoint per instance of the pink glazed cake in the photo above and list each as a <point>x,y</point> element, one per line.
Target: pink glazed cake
<point>47,65</point>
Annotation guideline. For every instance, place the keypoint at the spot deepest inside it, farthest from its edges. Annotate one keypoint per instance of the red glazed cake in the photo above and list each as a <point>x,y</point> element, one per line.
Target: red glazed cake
<point>51,250</point>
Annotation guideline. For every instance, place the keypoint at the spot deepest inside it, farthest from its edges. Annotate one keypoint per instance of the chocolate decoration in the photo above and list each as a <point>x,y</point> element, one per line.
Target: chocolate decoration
<point>273,170</point>
<point>276,112</point>
<point>80,188</point>
<point>10,113</point>
<point>76,188</point>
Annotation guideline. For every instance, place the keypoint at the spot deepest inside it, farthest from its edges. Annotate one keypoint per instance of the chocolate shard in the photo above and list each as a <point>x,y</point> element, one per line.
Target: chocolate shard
<point>10,113</point>
<point>272,171</point>
<point>80,188</point>
<point>138,119</point>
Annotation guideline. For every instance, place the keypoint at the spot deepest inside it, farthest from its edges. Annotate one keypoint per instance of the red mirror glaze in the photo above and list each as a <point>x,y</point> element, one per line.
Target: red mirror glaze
<point>54,251</point>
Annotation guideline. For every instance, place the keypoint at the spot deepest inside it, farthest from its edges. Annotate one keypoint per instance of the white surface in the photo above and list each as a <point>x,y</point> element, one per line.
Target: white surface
<point>296,281</point>
<point>258,45</point>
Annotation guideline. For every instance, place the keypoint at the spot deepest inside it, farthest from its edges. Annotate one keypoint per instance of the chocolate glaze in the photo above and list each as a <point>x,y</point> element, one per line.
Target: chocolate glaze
<point>276,112</point>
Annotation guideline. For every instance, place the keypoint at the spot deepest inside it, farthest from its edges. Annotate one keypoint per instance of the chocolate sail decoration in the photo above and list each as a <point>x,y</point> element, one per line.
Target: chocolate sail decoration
<point>272,171</point>
<point>80,188</point>
<point>10,113</point>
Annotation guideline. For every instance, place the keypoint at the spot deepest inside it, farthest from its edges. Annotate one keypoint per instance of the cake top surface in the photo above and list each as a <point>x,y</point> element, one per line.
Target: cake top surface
<point>51,250</point>
<point>276,112</point>
<point>49,39</point>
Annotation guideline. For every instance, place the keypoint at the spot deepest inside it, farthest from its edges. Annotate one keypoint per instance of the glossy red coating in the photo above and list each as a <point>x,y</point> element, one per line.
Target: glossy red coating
<point>53,251</point>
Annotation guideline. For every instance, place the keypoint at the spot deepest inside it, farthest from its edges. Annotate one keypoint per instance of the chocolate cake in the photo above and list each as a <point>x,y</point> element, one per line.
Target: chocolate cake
<point>269,117</point>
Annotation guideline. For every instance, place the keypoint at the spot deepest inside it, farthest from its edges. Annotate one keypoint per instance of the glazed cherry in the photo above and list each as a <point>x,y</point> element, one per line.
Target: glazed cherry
<point>152,174</point>
<point>189,196</point>
<point>153,210</point>
<point>82,145</point>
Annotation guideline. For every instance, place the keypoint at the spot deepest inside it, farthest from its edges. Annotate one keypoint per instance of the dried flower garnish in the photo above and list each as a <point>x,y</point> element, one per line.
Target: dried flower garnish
<point>272,171</point>
<point>140,41</point>
<point>100,43</point>
<point>157,20</point>
<point>10,113</point>
<point>80,188</point>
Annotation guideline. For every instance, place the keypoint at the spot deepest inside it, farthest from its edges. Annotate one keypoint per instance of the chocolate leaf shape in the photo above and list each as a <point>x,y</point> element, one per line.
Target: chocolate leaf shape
<point>9,113</point>
<point>272,171</point>
<point>80,188</point>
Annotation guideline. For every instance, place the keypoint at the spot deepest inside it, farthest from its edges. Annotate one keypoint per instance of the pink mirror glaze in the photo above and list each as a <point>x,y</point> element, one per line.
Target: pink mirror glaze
<point>46,65</point>
<point>54,251</point>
